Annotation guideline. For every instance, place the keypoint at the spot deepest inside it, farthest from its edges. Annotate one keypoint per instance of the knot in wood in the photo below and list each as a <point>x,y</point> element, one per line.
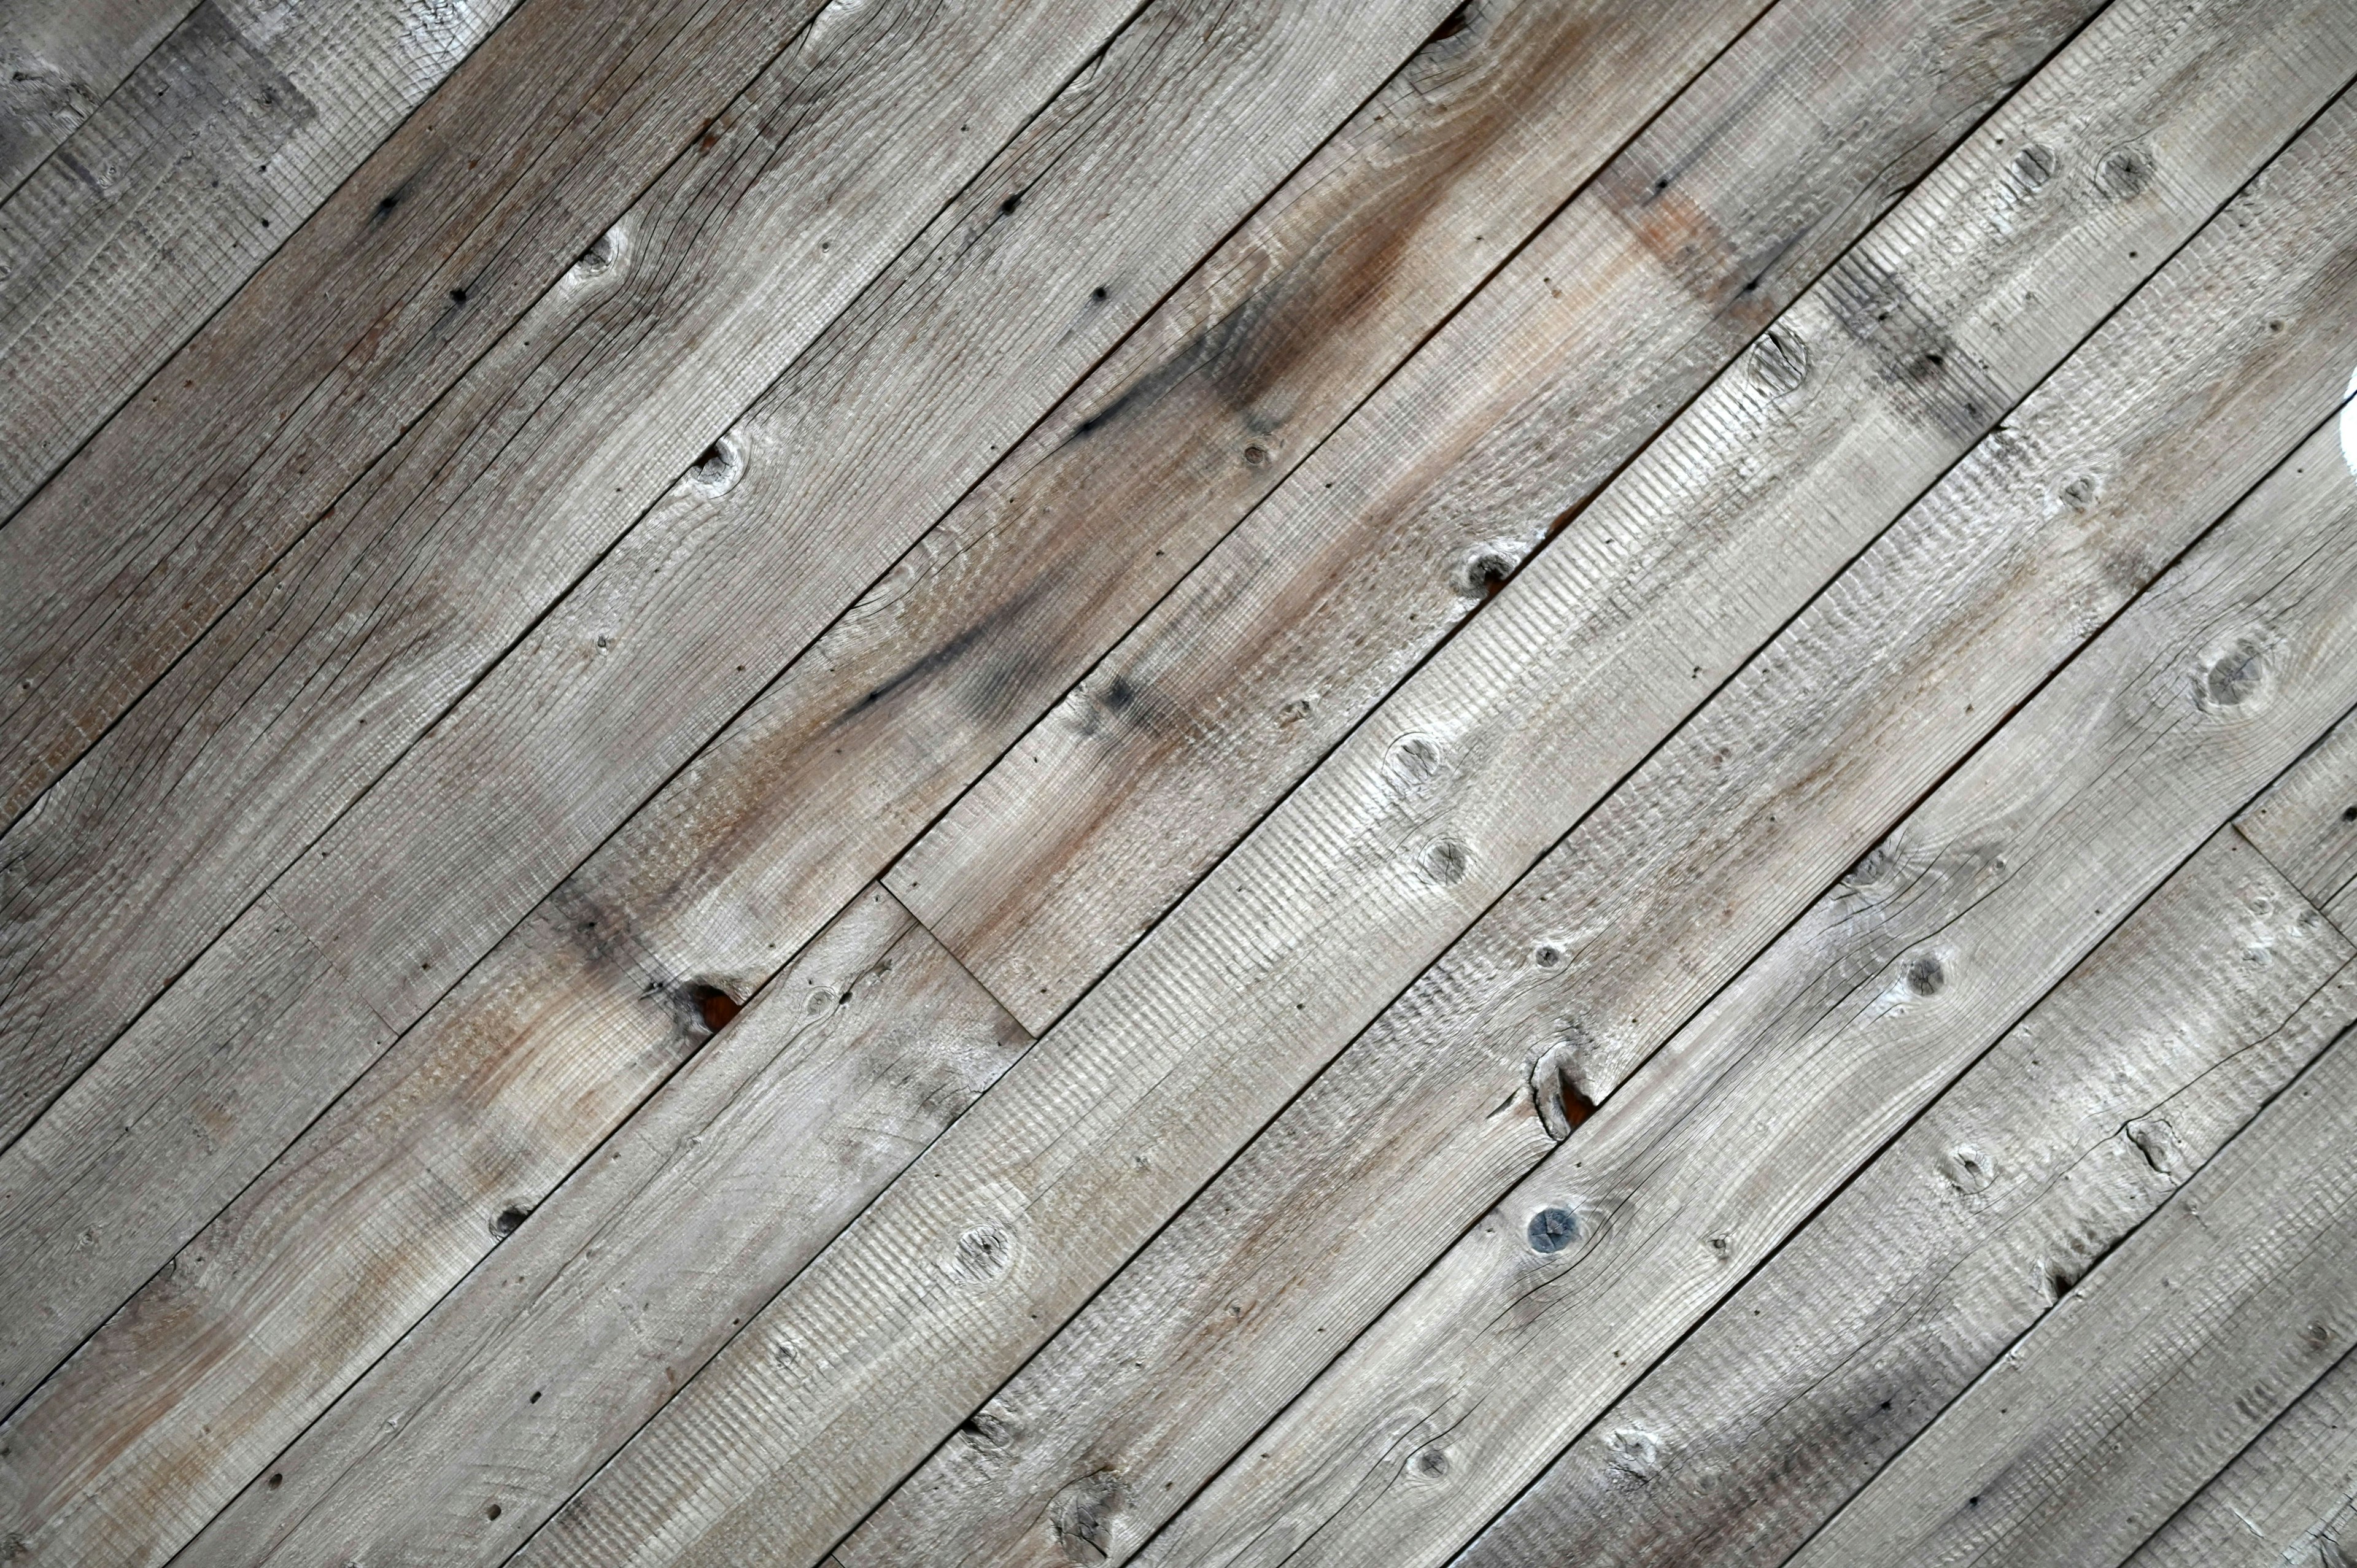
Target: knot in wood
<point>1967,1169</point>
<point>2035,165</point>
<point>716,472</point>
<point>1552,1230</point>
<point>1084,1516</point>
<point>1445,862</point>
<point>1779,363</point>
<point>1635,1452</point>
<point>2125,171</point>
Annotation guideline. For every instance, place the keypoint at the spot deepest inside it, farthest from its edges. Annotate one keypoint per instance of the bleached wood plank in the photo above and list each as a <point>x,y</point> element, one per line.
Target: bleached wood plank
<point>1742,818</point>
<point>241,121</point>
<point>2307,823</point>
<point>1853,1338</point>
<point>1690,243</point>
<point>2161,1366</point>
<point>1790,1079</point>
<point>754,841</point>
<point>569,1333</point>
<point>59,61</point>
<point>2289,1498</point>
<point>1220,1015</point>
<point>264,420</point>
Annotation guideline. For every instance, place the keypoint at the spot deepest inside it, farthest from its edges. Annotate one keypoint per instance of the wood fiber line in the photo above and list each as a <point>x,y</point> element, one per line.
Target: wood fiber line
<point>2307,823</point>
<point>620,1283</point>
<point>2289,1498</point>
<point>1081,192</point>
<point>1858,1332</point>
<point>1159,1074</point>
<point>1691,242</point>
<point>1695,1170</point>
<point>1742,819</point>
<point>173,192</point>
<point>262,421</point>
<point>59,59</point>
<point>2152,1373</point>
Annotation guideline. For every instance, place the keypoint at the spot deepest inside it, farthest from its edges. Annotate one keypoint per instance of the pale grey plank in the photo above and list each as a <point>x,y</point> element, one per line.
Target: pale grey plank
<point>2308,822</point>
<point>59,61</point>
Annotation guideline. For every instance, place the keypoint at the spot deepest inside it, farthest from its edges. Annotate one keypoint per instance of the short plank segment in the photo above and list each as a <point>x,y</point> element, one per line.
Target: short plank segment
<point>59,61</point>
<point>2159,1366</point>
<point>2307,823</point>
<point>491,190</point>
<point>1853,1338</point>
<point>624,1280</point>
<point>1596,957</point>
<point>2290,1501</point>
<point>540,763</point>
<point>579,419</point>
<point>1232,1003</point>
<point>180,185</point>
<point>1688,245</point>
<point>740,858</point>
<point>1792,1076</point>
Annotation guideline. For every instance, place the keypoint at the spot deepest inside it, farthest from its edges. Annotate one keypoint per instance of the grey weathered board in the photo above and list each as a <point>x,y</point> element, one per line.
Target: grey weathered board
<point>2308,826</point>
<point>1166,1067</point>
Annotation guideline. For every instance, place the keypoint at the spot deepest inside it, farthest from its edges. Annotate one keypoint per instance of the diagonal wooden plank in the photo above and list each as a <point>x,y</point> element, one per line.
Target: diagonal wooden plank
<point>265,419</point>
<point>2289,1498</point>
<point>1223,699</point>
<point>568,1333</point>
<point>1597,956</point>
<point>1615,1246</point>
<point>749,849</point>
<point>2155,1370</point>
<point>191,174</point>
<point>59,59</point>
<point>1171,1063</point>
<point>1853,1338</point>
<point>2307,823</point>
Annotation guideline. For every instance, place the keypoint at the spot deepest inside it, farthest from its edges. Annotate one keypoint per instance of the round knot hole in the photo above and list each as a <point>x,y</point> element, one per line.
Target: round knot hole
<point>1553,1230</point>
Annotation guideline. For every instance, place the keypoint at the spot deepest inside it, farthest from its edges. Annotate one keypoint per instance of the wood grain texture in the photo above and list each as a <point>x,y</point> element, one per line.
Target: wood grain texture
<point>1795,1076</point>
<point>1593,960</point>
<point>1853,1336</point>
<point>59,61</point>
<point>267,418</point>
<point>2289,1498</point>
<point>2093,1429</point>
<point>180,185</point>
<point>2308,824</point>
<point>1175,1059</point>
<point>1625,307</point>
<point>623,1281</point>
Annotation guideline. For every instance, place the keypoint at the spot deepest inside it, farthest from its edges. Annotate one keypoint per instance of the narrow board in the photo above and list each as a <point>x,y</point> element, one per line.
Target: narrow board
<point>1959,1238</point>
<point>181,184</point>
<point>1170,1064</point>
<point>2308,826</point>
<point>1593,960</point>
<point>2155,1370</point>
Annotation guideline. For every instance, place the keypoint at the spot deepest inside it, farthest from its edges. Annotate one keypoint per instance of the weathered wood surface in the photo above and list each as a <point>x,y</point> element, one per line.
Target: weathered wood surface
<point>1598,956</point>
<point>1696,237</point>
<point>389,607</point>
<point>2087,1435</point>
<point>1791,1078</point>
<point>302,1028</point>
<point>1163,1070</point>
<point>624,1280</point>
<point>1855,1335</point>
<point>180,185</point>
<point>267,418</point>
<point>59,61</point>
<point>2308,824</point>
<point>2289,1498</point>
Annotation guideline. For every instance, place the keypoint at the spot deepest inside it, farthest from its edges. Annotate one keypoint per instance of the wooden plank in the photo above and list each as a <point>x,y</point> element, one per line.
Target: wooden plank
<point>2154,1372</point>
<point>2289,1498</point>
<point>218,1119</point>
<point>184,181</point>
<point>1694,239</point>
<point>1854,1336</point>
<point>567,1335</point>
<point>267,418</point>
<point>813,780</point>
<point>2308,824</point>
<point>591,409</point>
<point>1223,1012</point>
<point>59,59</point>
<point>1593,960</point>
